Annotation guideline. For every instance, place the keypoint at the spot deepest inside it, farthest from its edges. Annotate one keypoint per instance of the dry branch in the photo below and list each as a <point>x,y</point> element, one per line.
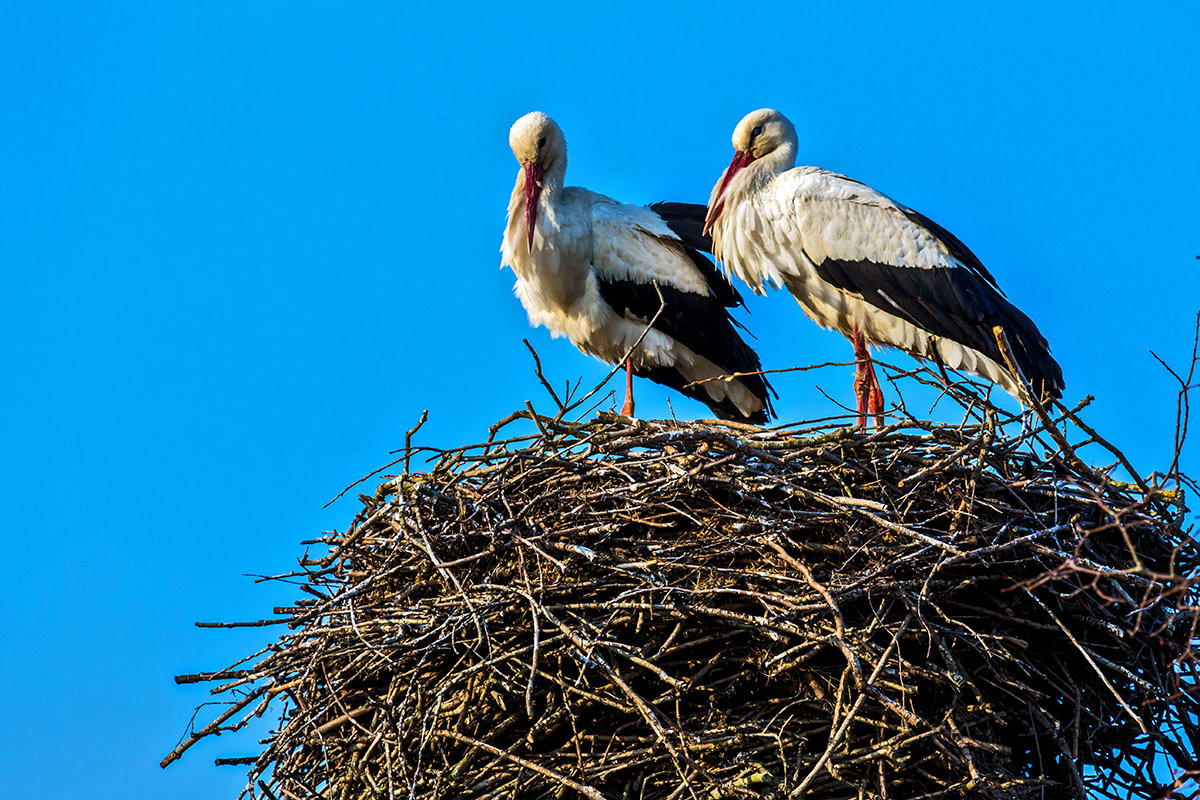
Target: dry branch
<point>699,610</point>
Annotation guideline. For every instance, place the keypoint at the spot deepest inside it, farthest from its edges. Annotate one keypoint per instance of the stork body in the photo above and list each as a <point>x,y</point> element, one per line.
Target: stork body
<point>865,265</point>
<point>592,269</point>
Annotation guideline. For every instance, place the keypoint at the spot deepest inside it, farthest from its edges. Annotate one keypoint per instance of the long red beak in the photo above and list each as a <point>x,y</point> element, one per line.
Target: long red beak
<point>533,190</point>
<point>740,161</point>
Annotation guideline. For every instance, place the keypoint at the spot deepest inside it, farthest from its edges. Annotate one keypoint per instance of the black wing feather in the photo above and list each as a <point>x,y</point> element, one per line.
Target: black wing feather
<point>952,243</point>
<point>962,304</point>
<point>700,323</point>
<point>686,220</point>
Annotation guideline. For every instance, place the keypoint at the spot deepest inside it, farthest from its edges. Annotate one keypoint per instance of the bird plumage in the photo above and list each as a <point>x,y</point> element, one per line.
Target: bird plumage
<point>587,268</point>
<point>856,260</point>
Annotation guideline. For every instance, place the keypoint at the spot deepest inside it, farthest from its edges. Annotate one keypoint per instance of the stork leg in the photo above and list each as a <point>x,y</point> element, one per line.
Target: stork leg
<point>628,409</point>
<point>861,389</point>
<point>875,400</point>
<point>866,385</point>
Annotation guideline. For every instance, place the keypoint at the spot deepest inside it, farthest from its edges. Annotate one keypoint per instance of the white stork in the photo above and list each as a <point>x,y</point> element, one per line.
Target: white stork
<point>591,269</point>
<point>861,263</point>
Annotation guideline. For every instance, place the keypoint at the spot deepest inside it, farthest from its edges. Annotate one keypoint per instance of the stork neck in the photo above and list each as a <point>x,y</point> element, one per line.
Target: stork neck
<point>759,173</point>
<point>743,189</point>
<point>781,159</point>
<point>553,178</point>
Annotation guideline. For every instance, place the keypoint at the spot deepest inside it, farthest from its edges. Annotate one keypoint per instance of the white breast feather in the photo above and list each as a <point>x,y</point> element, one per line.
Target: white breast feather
<point>554,280</point>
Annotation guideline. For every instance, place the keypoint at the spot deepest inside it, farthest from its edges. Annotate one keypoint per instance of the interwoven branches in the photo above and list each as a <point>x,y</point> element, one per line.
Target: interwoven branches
<point>694,610</point>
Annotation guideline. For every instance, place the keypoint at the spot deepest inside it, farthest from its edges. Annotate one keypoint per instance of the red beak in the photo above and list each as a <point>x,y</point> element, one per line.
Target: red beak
<point>740,161</point>
<point>533,190</point>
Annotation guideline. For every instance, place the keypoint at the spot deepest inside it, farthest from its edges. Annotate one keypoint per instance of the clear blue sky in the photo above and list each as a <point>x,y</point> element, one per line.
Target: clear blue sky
<point>245,244</point>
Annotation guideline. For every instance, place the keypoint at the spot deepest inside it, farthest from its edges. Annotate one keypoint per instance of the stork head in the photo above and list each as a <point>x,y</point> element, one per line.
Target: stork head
<point>759,134</point>
<point>538,143</point>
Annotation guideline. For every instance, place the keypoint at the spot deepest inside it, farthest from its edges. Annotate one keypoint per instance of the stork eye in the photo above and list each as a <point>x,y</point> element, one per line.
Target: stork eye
<point>756,131</point>
<point>542,142</point>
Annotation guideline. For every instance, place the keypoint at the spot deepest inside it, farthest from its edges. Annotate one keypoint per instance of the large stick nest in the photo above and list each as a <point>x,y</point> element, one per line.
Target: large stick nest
<point>700,610</point>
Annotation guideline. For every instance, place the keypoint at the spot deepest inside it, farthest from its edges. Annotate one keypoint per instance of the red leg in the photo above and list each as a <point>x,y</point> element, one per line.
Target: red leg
<point>628,409</point>
<point>875,397</point>
<point>863,375</point>
<point>866,385</point>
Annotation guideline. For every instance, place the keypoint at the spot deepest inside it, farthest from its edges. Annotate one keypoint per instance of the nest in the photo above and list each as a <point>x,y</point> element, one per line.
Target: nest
<point>705,610</point>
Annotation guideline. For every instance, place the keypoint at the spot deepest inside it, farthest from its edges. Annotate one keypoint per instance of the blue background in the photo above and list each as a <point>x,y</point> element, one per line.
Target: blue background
<point>245,244</point>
